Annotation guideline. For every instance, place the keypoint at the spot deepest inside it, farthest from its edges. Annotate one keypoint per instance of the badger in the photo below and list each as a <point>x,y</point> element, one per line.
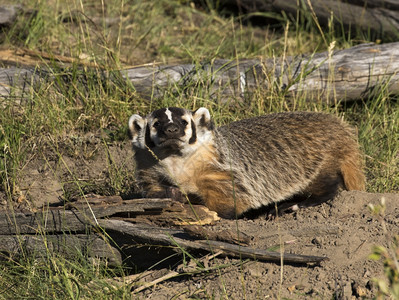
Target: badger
<point>246,164</point>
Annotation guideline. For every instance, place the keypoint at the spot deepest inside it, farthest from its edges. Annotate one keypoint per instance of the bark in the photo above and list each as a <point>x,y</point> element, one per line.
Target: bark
<point>202,233</point>
<point>342,75</point>
<point>60,220</point>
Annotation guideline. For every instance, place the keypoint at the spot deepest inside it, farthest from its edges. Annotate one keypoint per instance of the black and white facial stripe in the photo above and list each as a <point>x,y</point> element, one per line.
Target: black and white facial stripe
<point>172,127</point>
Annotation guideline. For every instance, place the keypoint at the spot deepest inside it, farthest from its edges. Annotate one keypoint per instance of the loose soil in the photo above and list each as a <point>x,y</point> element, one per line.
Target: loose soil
<point>342,229</point>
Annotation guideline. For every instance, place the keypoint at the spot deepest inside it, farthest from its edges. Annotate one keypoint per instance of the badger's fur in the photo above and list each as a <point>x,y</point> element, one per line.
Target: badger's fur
<point>246,164</point>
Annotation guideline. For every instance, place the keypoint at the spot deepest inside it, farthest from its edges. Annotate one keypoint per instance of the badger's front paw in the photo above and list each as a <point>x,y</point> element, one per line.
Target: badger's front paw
<point>175,194</point>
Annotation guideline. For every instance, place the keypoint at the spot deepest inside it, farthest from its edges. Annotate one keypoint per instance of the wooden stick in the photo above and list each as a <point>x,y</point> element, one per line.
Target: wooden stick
<point>181,270</point>
<point>152,235</point>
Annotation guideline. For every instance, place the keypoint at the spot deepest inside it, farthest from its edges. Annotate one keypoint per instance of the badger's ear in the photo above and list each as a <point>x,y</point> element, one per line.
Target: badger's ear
<point>202,118</point>
<point>136,129</point>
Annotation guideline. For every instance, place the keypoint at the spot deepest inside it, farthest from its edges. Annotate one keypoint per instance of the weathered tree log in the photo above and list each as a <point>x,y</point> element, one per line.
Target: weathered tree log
<point>379,16</point>
<point>343,75</point>
<point>59,220</point>
<point>151,235</point>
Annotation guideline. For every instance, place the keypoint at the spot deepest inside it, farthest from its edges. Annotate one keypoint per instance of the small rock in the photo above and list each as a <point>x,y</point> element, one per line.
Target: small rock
<point>292,288</point>
<point>317,241</point>
<point>361,292</point>
<point>366,274</point>
<point>255,271</point>
<point>8,14</point>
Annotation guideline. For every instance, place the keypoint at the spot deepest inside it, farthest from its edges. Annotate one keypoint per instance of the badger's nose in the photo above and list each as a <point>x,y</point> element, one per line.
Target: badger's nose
<point>171,129</point>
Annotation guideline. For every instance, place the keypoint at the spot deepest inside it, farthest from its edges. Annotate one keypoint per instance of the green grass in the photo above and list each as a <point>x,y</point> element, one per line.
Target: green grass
<point>57,277</point>
<point>79,100</point>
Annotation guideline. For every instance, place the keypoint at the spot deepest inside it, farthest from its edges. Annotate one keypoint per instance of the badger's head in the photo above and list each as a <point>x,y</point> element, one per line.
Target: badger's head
<point>172,129</point>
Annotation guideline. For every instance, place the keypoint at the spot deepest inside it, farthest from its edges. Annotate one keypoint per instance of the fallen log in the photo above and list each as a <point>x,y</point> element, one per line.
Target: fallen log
<point>342,75</point>
<point>379,16</point>
<point>329,77</point>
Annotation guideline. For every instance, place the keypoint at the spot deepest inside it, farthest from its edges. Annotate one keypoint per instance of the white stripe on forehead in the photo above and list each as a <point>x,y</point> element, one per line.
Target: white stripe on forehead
<point>169,115</point>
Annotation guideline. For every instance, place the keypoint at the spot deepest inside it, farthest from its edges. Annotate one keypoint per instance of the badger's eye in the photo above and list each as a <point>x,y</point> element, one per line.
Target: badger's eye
<point>184,122</point>
<point>156,124</point>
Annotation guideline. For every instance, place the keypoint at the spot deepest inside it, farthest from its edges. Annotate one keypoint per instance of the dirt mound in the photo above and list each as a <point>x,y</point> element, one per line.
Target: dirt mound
<point>343,230</point>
